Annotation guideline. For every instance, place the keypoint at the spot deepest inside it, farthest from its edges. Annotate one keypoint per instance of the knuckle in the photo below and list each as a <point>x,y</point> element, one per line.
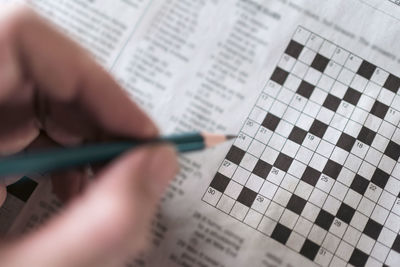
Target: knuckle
<point>12,20</point>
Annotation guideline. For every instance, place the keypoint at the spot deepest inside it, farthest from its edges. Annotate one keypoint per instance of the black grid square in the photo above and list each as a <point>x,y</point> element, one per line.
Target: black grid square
<point>358,258</point>
<point>372,229</point>
<point>393,150</point>
<point>235,155</point>
<point>320,62</point>
<point>294,49</point>
<point>297,135</point>
<point>262,169</point>
<point>332,102</point>
<point>305,89</point>
<point>345,213</point>
<point>281,233</point>
<point>346,142</point>
<point>352,96</point>
<point>309,249</point>
<point>23,188</point>
<point>247,197</point>
<point>279,76</point>
<point>220,182</point>
<point>283,162</point>
<point>379,109</point>
<point>324,219</point>
<point>392,83</point>
<point>271,122</point>
<point>396,244</point>
<point>318,128</point>
<point>359,184</point>
<point>366,69</point>
<point>296,204</point>
<point>366,136</point>
<point>332,169</point>
<point>311,176</point>
<point>380,178</point>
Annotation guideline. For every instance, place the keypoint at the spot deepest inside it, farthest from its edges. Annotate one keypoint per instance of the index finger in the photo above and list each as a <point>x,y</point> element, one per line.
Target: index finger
<point>73,92</point>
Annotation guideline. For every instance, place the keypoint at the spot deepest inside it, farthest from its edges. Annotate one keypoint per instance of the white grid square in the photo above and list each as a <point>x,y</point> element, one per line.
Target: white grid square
<point>393,116</point>
<point>243,141</point>
<point>331,242</point>
<point>387,237</point>
<point>352,199</point>
<point>254,183</point>
<point>289,183</point>
<point>387,164</point>
<point>380,76</point>
<point>295,241</point>
<point>352,235</point>
<point>333,69</point>
<point>339,190</point>
<point>344,251</point>
<point>373,156</point>
<point>297,168</point>
<point>340,56</point>
<point>241,175</point>
<point>301,35</point>
<point>300,69</point>
<point>359,115</point>
<point>289,219</point>
<point>313,76</point>
<point>339,122</point>
<point>359,149</point>
<point>272,88</point>
<point>292,82</point>
<point>268,190</point>
<point>304,122</point>
<point>256,148</point>
<point>372,90</point>
<point>227,168</point>
<point>359,221</point>
<point>366,206</point>
<point>325,183</point>
<point>278,108</point>
<point>314,42</point>
<point>338,228</point>
<point>260,204</point>
<point>264,101</point>
<point>263,135</point>
<point>338,89</point>
<point>307,56</point>
<point>318,197</point>
<point>346,176</point>
<point>331,205</point>
<point>212,197</point>
<point>286,62</point>
<point>386,129</point>
<point>380,252</point>
<point>225,204</point>
<point>380,214</point>
<point>253,218</point>
<point>267,225</point>
<point>325,148</point>
<point>353,63</point>
<point>276,141</point>
<point>366,170</point>
<point>332,135</point>
<point>325,83</point>
<point>303,226</point>
<point>284,128</point>
<point>250,128</point>
<point>323,258</point>
<point>285,95</point>
<point>339,155</point>
<point>239,211</point>
<point>366,244</point>
<point>380,142</point>
<point>311,109</point>
<point>248,162</point>
<point>327,49</point>
<point>386,96</point>
<point>353,162</point>
<point>233,189</point>
<point>346,76</point>
<point>269,155</point>
<point>303,190</point>
<point>258,115</point>
<point>345,109</point>
<point>317,234</point>
<point>373,192</point>
<point>393,222</point>
<point>373,122</point>
<point>290,148</point>
<point>353,128</point>
<point>318,162</point>
<point>282,197</point>
<point>304,155</point>
<point>366,102</point>
<point>359,83</point>
<point>310,211</point>
<point>325,115</point>
<point>276,176</point>
<point>274,211</point>
<point>393,186</point>
<point>291,115</point>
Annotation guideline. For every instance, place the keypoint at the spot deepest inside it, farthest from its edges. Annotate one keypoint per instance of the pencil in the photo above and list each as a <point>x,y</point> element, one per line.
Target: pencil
<point>62,158</point>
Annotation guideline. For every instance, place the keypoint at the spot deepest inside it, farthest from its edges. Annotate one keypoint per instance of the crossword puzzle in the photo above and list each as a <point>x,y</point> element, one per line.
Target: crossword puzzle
<point>315,165</point>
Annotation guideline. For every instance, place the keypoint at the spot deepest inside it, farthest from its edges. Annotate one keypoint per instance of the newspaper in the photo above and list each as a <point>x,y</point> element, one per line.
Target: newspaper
<point>309,86</point>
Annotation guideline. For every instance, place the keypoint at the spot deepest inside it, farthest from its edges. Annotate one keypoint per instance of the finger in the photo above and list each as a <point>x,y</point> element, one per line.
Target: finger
<point>75,97</point>
<point>3,194</point>
<point>110,222</point>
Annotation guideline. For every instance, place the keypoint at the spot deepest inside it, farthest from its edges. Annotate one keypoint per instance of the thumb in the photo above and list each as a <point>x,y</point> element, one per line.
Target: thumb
<point>107,224</point>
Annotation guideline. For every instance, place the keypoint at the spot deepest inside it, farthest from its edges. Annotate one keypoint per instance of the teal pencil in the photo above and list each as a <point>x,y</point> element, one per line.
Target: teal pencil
<point>65,158</point>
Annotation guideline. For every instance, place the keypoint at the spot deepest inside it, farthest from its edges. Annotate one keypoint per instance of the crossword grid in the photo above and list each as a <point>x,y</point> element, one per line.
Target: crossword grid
<point>315,164</point>
<point>397,2</point>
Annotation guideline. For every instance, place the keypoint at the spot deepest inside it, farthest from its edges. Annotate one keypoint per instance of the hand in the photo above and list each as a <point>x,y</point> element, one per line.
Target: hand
<point>48,84</point>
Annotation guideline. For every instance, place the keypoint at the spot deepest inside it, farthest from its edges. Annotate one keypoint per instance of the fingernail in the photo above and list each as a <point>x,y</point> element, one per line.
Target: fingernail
<point>162,167</point>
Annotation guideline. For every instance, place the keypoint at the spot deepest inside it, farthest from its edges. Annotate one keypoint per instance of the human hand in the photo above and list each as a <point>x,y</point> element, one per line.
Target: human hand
<point>48,83</point>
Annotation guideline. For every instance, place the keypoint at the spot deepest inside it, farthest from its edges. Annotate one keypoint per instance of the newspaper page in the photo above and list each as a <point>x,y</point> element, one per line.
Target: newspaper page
<point>311,89</point>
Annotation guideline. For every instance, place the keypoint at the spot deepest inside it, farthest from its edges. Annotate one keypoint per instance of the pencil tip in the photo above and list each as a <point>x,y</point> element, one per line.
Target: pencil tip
<point>230,136</point>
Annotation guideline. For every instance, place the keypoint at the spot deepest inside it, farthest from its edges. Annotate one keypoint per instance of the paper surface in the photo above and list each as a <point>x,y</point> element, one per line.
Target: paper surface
<point>310,87</point>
